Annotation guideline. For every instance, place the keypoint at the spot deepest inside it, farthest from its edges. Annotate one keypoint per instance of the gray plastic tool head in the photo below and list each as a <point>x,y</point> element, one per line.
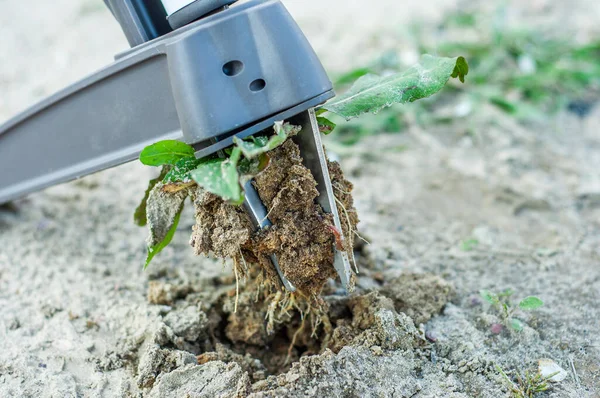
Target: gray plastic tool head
<point>233,72</point>
<point>254,61</point>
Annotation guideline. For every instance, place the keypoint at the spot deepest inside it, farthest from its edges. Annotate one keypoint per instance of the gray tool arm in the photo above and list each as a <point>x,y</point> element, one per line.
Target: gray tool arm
<point>103,121</point>
<point>229,73</point>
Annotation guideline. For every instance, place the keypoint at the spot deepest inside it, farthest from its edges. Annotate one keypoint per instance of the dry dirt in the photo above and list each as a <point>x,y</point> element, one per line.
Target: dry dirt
<point>78,317</point>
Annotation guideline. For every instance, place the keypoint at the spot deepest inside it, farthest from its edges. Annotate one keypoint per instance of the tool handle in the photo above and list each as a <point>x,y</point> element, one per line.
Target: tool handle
<point>102,121</point>
<point>141,20</point>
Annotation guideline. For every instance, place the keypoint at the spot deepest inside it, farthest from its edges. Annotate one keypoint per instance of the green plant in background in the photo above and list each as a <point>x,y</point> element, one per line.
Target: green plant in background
<point>528,384</point>
<point>469,244</point>
<point>226,173</point>
<point>525,73</point>
<point>501,302</point>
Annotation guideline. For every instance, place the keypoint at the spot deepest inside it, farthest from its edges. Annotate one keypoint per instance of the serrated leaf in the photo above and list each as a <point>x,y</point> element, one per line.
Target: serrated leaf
<point>516,324</point>
<point>530,303</point>
<point>488,296</point>
<point>154,250</point>
<point>139,216</point>
<point>221,177</point>
<point>326,126</point>
<point>181,171</point>
<point>372,93</point>
<point>259,145</point>
<point>165,152</point>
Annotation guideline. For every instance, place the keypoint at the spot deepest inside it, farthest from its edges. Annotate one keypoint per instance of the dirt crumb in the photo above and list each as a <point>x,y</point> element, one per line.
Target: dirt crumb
<point>221,229</point>
<point>248,324</point>
<point>374,322</point>
<point>166,293</point>
<point>156,360</point>
<point>211,380</point>
<point>188,324</point>
<point>420,296</point>
<point>253,366</point>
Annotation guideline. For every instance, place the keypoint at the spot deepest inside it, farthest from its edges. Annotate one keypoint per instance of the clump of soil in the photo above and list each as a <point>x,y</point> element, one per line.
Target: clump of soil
<point>221,229</point>
<point>270,332</point>
<point>302,235</point>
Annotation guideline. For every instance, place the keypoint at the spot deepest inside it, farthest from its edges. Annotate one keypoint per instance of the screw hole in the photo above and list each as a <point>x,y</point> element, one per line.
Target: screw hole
<point>233,68</point>
<point>257,85</point>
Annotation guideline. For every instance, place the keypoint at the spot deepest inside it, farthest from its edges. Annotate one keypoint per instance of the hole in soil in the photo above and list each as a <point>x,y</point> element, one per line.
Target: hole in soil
<point>233,68</point>
<point>258,85</point>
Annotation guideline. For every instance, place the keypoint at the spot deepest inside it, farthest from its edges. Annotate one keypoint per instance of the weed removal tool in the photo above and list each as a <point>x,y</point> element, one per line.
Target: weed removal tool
<point>198,71</point>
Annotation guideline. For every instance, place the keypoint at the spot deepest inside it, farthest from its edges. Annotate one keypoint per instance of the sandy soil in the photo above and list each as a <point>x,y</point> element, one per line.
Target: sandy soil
<point>75,319</point>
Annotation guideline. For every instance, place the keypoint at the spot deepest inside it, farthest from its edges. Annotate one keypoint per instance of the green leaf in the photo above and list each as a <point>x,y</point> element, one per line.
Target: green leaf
<point>530,303</point>
<point>165,152</point>
<point>154,250</point>
<point>251,167</point>
<point>259,145</point>
<point>468,245</point>
<point>181,171</point>
<point>461,69</point>
<point>221,177</point>
<point>488,296</point>
<point>372,93</point>
<point>516,324</point>
<point>326,126</point>
<point>139,216</point>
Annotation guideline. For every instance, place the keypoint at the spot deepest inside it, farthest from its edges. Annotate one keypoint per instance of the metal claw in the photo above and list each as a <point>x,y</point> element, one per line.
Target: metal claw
<point>258,214</point>
<point>313,155</point>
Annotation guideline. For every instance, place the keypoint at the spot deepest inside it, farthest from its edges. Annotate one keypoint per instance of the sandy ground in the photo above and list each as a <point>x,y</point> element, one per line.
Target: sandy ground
<point>74,316</point>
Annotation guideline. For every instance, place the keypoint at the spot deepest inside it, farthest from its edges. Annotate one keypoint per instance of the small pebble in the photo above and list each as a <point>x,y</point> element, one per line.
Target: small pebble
<point>376,350</point>
<point>496,328</point>
<point>431,336</point>
<point>548,367</point>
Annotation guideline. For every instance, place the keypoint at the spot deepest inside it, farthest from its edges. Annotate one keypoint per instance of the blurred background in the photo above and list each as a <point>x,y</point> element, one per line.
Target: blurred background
<point>527,59</point>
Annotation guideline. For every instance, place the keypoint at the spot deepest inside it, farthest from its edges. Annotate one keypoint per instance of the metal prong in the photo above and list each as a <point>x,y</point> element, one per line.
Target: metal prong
<point>258,214</point>
<point>313,154</point>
